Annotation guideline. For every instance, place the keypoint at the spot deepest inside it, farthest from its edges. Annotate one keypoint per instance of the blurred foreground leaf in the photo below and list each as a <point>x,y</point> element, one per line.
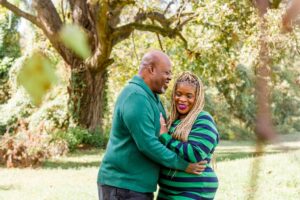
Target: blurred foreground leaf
<point>16,2</point>
<point>76,39</point>
<point>37,76</point>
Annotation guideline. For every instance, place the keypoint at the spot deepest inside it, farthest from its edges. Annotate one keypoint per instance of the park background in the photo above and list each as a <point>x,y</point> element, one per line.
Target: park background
<point>63,64</point>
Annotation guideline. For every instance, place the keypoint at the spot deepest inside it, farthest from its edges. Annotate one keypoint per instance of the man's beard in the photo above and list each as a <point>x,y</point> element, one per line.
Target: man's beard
<point>163,90</point>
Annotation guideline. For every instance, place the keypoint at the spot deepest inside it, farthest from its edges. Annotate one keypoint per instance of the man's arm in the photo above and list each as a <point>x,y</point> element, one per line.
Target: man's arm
<point>138,117</point>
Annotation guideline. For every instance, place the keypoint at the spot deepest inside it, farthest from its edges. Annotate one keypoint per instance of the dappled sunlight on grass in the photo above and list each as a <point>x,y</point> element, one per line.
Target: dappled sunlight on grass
<point>279,177</point>
<point>231,150</point>
<point>7,187</point>
<point>69,164</point>
<point>77,159</point>
<point>74,176</point>
<point>69,177</point>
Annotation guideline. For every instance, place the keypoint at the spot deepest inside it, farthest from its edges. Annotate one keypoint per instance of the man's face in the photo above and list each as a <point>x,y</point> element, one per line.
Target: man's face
<point>162,75</point>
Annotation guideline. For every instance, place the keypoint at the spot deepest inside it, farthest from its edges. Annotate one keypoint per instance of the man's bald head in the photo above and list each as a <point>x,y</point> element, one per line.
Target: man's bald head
<point>155,69</point>
<point>154,58</point>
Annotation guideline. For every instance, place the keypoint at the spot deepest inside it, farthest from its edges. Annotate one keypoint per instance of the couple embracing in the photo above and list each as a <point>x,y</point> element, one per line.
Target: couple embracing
<point>145,149</point>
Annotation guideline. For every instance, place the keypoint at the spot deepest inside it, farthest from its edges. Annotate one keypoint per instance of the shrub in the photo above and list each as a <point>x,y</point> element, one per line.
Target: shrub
<point>25,148</point>
<point>18,106</point>
<point>73,136</point>
<point>78,136</point>
<point>54,112</point>
<point>28,148</point>
<point>98,139</point>
<point>296,125</point>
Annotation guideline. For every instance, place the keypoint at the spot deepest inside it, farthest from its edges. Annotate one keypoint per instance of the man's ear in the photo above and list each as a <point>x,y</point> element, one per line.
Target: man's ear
<point>151,69</point>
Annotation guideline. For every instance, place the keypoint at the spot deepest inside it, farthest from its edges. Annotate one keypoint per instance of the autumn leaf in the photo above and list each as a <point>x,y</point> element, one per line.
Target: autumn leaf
<point>37,76</point>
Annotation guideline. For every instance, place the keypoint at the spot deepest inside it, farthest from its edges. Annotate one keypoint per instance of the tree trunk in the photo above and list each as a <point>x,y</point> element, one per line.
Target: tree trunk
<point>87,99</point>
<point>101,21</point>
<point>264,127</point>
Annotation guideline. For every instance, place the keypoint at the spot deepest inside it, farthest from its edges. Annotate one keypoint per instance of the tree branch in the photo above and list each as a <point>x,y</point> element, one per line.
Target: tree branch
<point>184,22</point>
<point>175,17</point>
<point>80,13</point>
<point>291,13</point>
<point>134,48</point>
<point>63,11</point>
<point>262,6</point>
<point>185,43</point>
<point>164,28</point>
<point>47,14</point>
<point>158,38</point>
<point>263,127</point>
<point>115,9</point>
<point>159,17</point>
<point>52,24</point>
<point>114,4</point>
<point>33,19</point>
<point>168,6</point>
<point>84,14</point>
<point>102,24</point>
<point>124,32</point>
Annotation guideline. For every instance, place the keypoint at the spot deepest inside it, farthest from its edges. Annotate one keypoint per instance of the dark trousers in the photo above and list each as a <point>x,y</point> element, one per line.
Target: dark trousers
<point>106,192</point>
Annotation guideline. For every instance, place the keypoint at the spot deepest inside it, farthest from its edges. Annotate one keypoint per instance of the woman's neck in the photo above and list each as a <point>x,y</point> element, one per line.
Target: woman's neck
<point>181,116</point>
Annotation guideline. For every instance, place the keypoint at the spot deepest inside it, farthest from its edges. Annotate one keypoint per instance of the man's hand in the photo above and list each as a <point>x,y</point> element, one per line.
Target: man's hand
<point>196,168</point>
<point>163,125</point>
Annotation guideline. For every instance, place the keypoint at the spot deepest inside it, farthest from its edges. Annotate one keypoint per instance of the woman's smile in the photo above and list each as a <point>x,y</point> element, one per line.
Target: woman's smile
<point>185,97</point>
<point>182,106</point>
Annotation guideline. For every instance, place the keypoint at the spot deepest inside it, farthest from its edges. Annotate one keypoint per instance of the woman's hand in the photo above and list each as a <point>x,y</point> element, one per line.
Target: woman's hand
<point>163,125</point>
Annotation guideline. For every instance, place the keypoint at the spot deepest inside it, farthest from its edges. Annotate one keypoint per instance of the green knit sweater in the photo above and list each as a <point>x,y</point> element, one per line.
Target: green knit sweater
<point>134,153</point>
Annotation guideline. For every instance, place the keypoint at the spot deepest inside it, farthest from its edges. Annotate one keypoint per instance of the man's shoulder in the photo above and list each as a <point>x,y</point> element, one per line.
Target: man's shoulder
<point>134,89</point>
<point>133,98</point>
<point>132,95</point>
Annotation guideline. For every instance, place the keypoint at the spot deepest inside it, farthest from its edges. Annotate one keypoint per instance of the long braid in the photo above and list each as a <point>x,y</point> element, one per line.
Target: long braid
<point>183,129</point>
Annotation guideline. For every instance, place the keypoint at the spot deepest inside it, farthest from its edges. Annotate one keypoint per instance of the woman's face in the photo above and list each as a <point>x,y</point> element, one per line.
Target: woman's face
<point>185,97</point>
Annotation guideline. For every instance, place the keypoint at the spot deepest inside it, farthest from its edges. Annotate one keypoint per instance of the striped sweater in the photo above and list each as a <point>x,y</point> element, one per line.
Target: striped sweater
<point>201,144</point>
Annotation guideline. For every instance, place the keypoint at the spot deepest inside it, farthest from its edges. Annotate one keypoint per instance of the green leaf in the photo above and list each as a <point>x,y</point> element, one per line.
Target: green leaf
<point>15,2</point>
<point>76,39</point>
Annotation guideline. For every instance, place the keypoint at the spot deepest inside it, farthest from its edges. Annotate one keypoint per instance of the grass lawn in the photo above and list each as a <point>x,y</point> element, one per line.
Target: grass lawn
<point>66,178</point>
<point>74,176</point>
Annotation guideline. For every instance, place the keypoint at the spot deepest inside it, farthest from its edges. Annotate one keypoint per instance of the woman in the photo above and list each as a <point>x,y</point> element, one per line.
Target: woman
<point>193,135</point>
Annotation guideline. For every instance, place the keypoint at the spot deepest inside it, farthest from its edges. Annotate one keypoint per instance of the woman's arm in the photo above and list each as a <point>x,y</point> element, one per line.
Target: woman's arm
<point>201,140</point>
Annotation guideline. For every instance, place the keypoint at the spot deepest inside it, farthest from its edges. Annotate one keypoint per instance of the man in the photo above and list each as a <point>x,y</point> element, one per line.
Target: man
<point>134,153</point>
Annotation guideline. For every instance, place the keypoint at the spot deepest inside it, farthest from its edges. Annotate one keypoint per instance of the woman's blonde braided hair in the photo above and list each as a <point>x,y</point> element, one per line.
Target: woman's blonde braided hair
<point>183,129</point>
